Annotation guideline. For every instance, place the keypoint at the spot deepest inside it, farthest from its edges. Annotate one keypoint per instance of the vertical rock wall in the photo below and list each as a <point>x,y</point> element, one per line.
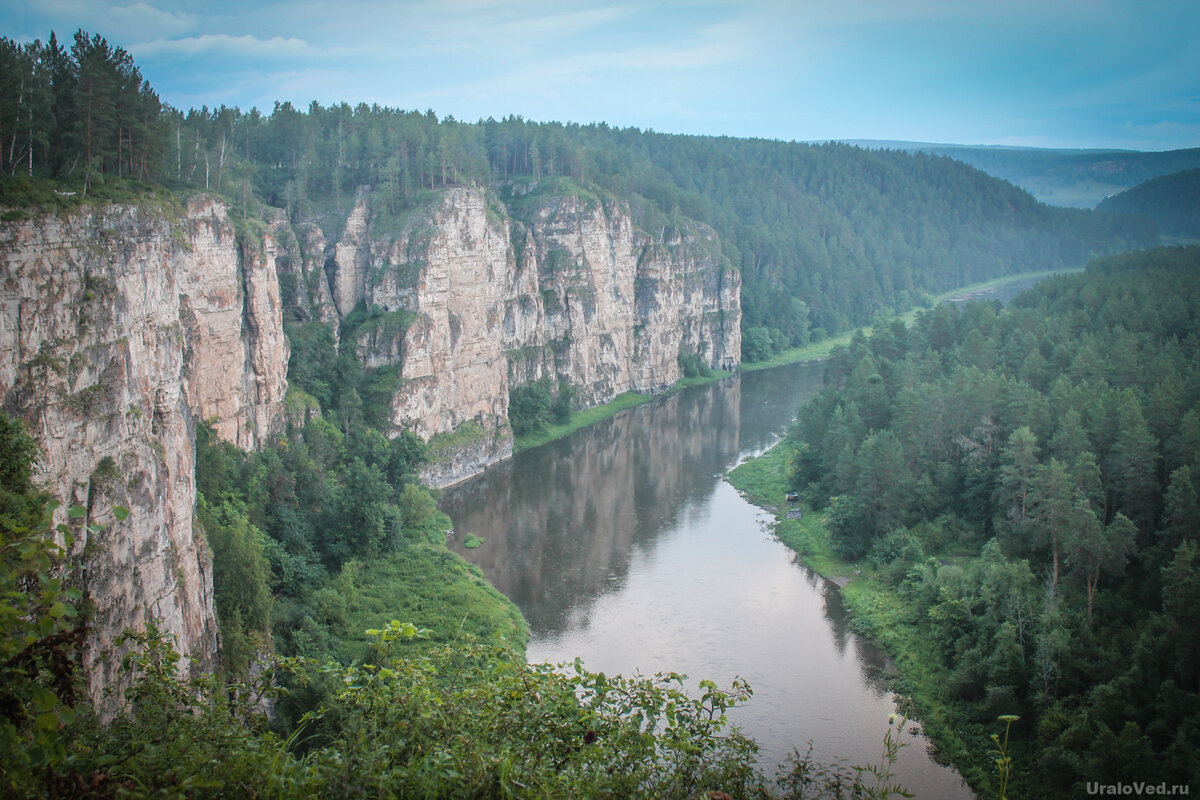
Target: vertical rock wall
<point>470,298</point>
<point>119,326</point>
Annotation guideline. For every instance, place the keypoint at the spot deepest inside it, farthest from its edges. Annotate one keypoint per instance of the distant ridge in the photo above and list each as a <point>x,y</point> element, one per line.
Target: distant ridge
<point>924,147</point>
<point>1080,178</point>
<point>1172,201</point>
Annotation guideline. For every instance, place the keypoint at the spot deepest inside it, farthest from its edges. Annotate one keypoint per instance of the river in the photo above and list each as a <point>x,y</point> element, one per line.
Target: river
<point>623,545</point>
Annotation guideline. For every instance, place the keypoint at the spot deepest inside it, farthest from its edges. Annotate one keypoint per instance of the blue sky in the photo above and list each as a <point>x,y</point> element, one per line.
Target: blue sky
<point>1052,73</point>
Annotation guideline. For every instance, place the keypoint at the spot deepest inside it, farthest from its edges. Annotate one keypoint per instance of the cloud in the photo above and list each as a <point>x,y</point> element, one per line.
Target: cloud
<point>1019,70</point>
<point>223,45</point>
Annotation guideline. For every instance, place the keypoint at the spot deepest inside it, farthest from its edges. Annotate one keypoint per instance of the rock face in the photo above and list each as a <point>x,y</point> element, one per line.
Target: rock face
<point>119,327</point>
<point>472,297</point>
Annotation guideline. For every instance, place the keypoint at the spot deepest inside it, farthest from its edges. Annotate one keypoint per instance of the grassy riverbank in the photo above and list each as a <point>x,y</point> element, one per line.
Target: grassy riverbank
<point>877,612</point>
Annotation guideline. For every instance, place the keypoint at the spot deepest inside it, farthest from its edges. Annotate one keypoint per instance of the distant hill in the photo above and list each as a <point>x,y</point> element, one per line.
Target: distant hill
<point>1172,201</point>
<point>1061,177</point>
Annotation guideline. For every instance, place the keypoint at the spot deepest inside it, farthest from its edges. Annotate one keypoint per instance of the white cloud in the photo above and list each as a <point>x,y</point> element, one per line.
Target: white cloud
<point>224,45</point>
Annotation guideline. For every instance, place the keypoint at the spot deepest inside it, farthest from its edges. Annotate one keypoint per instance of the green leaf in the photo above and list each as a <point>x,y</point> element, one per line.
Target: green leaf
<point>77,512</point>
<point>120,512</point>
<point>43,698</point>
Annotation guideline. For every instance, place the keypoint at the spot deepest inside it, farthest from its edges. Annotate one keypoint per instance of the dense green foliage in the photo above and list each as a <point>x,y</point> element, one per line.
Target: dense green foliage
<point>825,236</point>
<point>693,366</point>
<point>1026,481</point>
<point>1172,201</point>
<point>325,518</point>
<point>39,624</point>
<point>533,406</point>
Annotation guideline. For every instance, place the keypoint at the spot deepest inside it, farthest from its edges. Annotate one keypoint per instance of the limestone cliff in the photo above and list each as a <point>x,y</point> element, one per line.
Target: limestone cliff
<point>122,325</point>
<point>471,296</point>
<point>119,326</point>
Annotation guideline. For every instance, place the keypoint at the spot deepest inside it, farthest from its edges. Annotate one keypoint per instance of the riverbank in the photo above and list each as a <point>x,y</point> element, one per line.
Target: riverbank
<point>877,613</point>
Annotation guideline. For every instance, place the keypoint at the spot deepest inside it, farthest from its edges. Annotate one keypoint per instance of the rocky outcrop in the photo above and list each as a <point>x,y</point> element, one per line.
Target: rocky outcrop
<point>472,297</point>
<point>444,281</point>
<point>619,305</point>
<point>119,327</point>
<point>236,354</point>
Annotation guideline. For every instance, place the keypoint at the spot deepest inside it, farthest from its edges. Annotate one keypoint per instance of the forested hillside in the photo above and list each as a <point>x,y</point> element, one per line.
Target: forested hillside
<point>1024,482</point>
<point>1172,201</point>
<point>825,236</point>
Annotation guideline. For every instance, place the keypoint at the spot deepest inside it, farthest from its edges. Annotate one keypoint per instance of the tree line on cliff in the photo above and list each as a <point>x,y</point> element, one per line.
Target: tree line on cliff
<point>826,236</point>
<point>1025,481</point>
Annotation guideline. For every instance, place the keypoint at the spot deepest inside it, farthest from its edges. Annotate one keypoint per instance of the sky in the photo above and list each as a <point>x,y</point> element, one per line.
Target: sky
<point>1043,73</point>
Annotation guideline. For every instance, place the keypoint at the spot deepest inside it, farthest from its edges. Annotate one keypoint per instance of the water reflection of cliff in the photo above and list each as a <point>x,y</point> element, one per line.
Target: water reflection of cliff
<point>560,521</point>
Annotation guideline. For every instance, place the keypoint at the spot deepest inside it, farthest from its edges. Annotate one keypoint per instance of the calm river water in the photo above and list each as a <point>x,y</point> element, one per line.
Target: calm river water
<point>623,544</point>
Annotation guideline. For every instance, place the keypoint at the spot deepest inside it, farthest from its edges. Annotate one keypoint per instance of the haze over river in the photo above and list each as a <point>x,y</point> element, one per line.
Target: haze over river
<point>624,546</point>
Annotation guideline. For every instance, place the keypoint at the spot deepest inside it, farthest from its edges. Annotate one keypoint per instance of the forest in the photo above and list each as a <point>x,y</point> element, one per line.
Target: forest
<point>1023,482</point>
<point>826,236</point>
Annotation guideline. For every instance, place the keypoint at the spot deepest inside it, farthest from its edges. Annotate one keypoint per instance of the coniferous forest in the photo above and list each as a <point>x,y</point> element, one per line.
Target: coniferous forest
<point>1022,482</point>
